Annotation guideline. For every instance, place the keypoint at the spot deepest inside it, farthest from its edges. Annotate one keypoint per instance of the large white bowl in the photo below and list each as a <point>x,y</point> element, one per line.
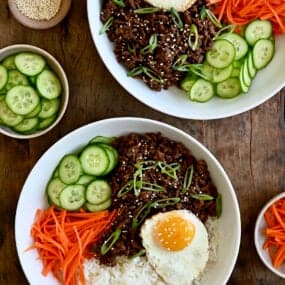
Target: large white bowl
<point>33,194</point>
<point>173,101</point>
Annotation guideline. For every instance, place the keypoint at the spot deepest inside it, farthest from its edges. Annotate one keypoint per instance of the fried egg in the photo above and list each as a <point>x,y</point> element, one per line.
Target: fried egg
<point>176,244</point>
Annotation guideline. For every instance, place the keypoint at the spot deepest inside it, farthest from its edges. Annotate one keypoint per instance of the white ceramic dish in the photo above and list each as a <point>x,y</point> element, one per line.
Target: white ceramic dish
<point>33,197</point>
<point>173,101</point>
<point>56,67</point>
<point>259,238</point>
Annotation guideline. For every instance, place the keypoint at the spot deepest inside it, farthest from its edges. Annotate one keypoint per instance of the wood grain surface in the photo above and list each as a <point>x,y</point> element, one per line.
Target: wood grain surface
<point>250,146</point>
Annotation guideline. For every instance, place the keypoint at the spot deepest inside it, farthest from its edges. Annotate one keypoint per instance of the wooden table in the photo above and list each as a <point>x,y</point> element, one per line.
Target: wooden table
<point>250,146</point>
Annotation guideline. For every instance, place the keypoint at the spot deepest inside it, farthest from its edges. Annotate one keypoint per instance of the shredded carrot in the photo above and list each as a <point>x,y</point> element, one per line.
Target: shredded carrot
<point>63,240</point>
<point>241,12</point>
<point>275,232</point>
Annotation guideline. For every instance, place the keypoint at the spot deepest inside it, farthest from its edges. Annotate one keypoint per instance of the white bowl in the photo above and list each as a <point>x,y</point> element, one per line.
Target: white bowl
<point>56,67</point>
<point>33,194</point>
<point>259,238</point>
<point>173,101</point>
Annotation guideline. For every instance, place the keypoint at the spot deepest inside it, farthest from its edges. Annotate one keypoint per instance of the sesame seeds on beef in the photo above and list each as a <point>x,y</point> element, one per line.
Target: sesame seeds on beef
<point>131,32</point>
<point>134,148</point>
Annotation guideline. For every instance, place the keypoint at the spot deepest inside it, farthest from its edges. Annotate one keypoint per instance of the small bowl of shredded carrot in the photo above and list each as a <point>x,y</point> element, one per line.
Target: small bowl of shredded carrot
<point>269,235</point>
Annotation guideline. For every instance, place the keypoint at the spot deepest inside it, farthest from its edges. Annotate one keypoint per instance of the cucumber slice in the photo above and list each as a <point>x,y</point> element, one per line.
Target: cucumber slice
<point>98,192</point>
<point>235,72</point>
<point>98,207</point>
<point>102,139</point>
<point>221,74</point>
<point>49,108</point>
<point>94,160</point>
<point>241,46</point>
<point>22,99</point>
<point>112,155</point>
<point>250,65</point>
<point>35,112</point>
<point>48,84</point>
<point>9,62</point>
<point>187,82</point>
<point>72,197</point>
<point>85,179</point>
<point>53,190</point>
<point>27,125</point>
<point>69,169</point>
<point>207,70</point>
<point>263,52</point>
<point>245,73</point>
<point>7,116</point>
<point>257,30</point>
<point>29,63</point>
<point>46,122</point>
<point>202,91</point>
<point>3,76</point>
<point>221,54</point>
<point>16,78</point>
<point>229,88</point>
<point>244,87</point>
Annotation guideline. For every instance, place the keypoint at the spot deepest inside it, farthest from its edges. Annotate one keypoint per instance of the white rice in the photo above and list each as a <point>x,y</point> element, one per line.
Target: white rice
<point>138,270</point>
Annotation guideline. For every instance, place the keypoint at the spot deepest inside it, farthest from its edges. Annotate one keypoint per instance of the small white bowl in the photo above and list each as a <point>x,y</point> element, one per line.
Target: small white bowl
<point>56,67</point>
<point>259,238</point>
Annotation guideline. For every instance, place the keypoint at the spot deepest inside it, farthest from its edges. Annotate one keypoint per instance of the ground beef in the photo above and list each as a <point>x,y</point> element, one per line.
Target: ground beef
<point>131,32</point>
<point>153,147</point>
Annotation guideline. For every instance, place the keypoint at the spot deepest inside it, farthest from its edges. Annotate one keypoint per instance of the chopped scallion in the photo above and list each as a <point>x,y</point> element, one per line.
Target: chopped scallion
<point>141,215</point>
<point>162,203</point>
<point>213,18</point>
<point>188,178</point>
<point>147,10</point>
<point>120,3</point>
<point>110,241</point>
<point>176,18</point>
<point>228,28</point>
<point>106,26</point>
<point>202,197</point>
<point>151,46</point>
<point>193,39</point>
<point>126,188</point>
<point>219,204</point>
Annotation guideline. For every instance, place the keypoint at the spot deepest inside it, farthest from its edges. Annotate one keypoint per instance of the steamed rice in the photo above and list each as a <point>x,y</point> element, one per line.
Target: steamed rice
<point>138,270</point>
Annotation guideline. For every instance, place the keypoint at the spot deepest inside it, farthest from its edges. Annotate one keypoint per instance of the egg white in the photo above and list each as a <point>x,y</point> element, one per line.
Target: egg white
<point>177,267</point>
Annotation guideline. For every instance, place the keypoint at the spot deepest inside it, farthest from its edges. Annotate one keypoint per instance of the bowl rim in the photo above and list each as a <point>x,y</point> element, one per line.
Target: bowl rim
<point>167,126</point>
<point>64,82</point>
<point>257,234</point>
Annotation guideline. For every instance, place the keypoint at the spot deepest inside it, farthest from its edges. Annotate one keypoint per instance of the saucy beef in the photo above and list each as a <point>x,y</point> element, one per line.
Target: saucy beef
<point>131,32</point>
<point>149,148</point>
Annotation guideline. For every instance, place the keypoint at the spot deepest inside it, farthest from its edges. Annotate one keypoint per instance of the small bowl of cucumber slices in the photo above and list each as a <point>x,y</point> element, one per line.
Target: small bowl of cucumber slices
<point>34,91</point>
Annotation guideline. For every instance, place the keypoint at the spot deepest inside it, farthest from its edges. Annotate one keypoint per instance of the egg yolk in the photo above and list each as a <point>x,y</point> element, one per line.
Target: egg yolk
<point>174,233</point>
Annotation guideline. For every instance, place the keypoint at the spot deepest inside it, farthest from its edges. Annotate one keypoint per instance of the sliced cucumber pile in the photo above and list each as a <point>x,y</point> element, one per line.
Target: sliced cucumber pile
<point>79,180</point>
<point>231,64</point>
<point>30,93</point>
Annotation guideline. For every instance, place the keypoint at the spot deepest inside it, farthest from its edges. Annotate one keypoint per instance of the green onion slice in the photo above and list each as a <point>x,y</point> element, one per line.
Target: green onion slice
<point>148,72</point>
<point>193,39</point>
<point>202,197</point>
<point>151,46</point>
<point>152,187</point>
<point>146,164</point>
<point>196,69</point>
<point>136,71</point>
<point>126,188</point>
<point>131,48</point>
<point>110,241</point>
<point>147,10</point>
<point>213,18</point>
<point>219,205</point>
<point>139,253</point>
<point>141,215</point>
<point>228,28</point>
<point>203,13</point>
<point>188,178</point>
<point>106,26</point>
<point>120,3</point>
<point>169,169</point>
<point>137,182</point>
<point>176,18</point>
<point>165,202</point>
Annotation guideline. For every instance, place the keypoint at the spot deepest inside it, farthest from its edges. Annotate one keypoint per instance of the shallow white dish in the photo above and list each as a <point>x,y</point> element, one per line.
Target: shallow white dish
<point>173,101</point>
<point>259,238</point>
<point>33,194</point>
